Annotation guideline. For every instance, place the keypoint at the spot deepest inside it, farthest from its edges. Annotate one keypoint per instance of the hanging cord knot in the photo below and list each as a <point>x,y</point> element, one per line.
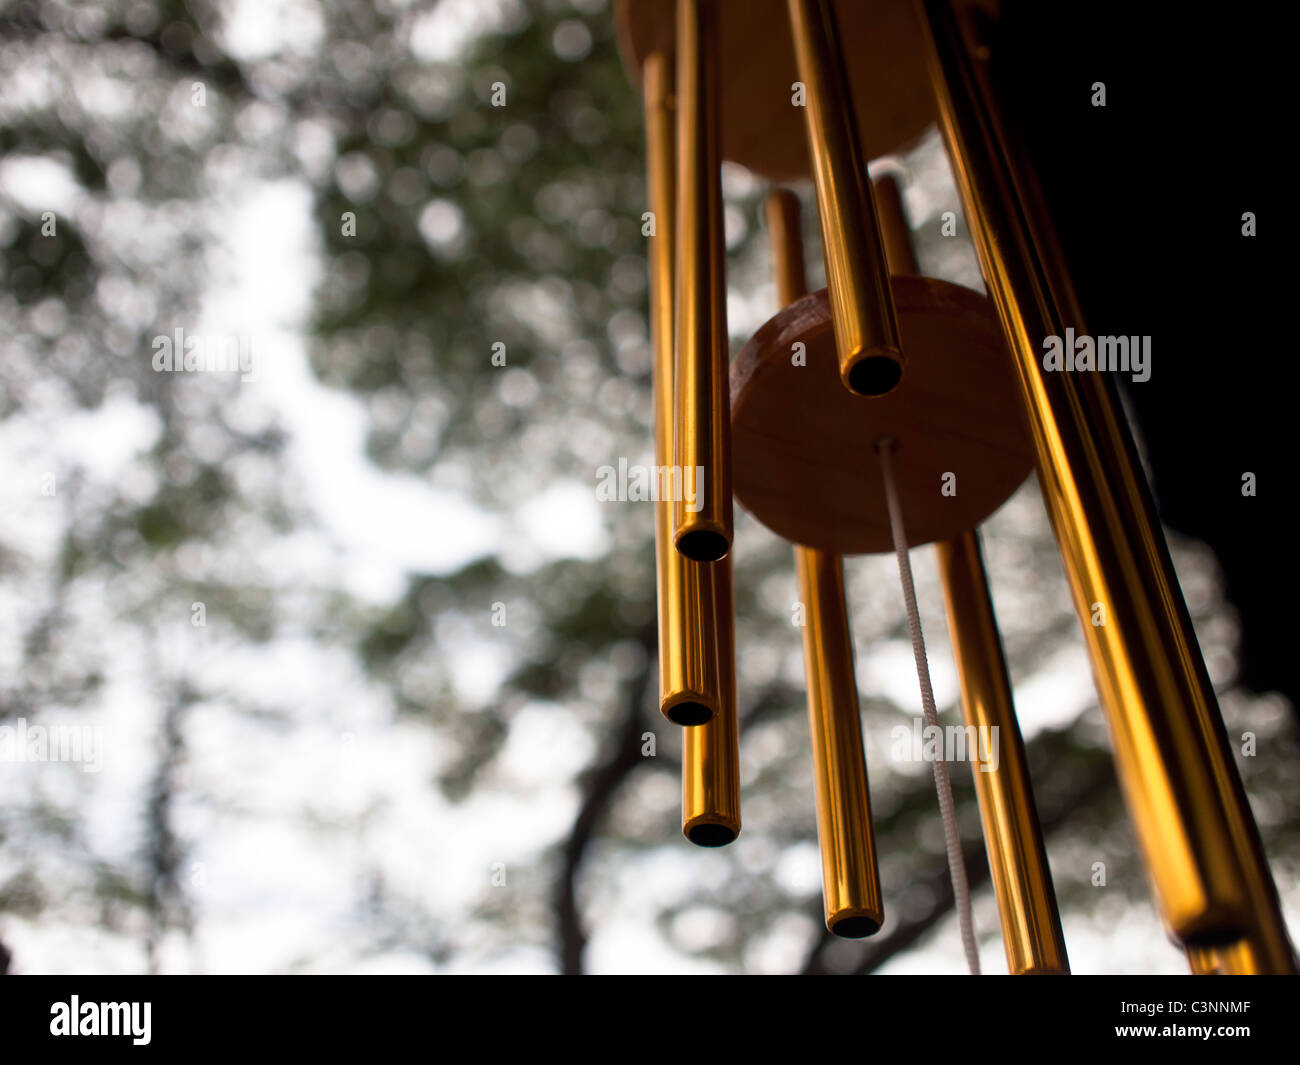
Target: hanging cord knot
<point>942,784</point>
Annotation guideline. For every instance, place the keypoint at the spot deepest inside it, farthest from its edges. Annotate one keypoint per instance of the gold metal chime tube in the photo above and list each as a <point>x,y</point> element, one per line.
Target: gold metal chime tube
<point>1200,842</point>
<point>702,424</point>
<point>697,682</point>
<point>1022,880</point>
<point>711,752</point>
<point>850,877</point>
<point>1242,958</point>
<point>857,278</point>
<point>690,686</point>
<point>895,233</point>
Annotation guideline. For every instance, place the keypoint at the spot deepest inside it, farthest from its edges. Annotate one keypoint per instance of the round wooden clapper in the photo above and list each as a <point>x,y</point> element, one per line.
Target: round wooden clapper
<point>804,447</point>
<point>760,127</point>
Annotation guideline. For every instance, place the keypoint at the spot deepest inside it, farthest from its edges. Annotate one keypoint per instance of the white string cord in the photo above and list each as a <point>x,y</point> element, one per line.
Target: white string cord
<point>952,840</point>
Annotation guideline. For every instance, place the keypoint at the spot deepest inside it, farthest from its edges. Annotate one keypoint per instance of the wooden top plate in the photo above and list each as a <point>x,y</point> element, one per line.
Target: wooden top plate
<point>760,128</point>
<point>803,445</point>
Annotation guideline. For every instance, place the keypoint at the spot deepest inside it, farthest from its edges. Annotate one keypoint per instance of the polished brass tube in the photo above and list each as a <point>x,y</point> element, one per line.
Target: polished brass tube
<point>689,682</point>
<point>1199,839</point>
<point>702,421</point>
<point>1022,880</point>
<point>895,232</point>
<point>711,752</point>
<point>850,878</point>
<point>1242,958</point>
<point>857,279</point>
<point>786,239</point>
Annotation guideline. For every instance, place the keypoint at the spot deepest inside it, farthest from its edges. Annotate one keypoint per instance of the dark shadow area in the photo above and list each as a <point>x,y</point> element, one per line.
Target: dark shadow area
<point>1148,194</point>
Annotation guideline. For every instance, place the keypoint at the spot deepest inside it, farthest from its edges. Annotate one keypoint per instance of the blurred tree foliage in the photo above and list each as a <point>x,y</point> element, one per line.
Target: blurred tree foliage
<point>447,226</point>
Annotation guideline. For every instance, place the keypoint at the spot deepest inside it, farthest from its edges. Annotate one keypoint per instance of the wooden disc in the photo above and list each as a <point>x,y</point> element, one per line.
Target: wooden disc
<point>804,447</point>
<point>760,127</point>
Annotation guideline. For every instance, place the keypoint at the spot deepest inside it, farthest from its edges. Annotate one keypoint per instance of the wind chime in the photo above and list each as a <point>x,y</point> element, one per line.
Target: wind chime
<point>906,383</point>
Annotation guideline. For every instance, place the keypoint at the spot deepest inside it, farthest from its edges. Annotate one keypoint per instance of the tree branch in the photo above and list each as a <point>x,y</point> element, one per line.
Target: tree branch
<point>598,790</point>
